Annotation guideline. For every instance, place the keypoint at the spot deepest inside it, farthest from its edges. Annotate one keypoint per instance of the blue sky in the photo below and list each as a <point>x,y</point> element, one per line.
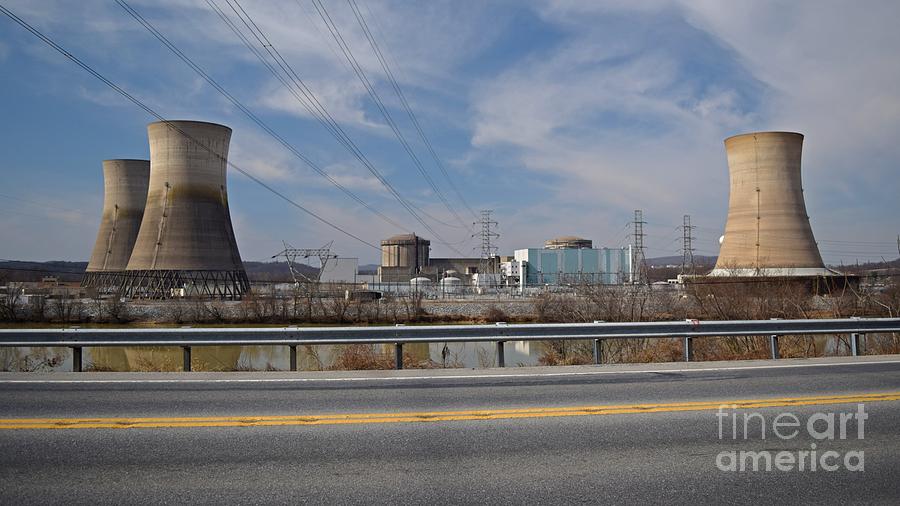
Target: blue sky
<point>561,116</point>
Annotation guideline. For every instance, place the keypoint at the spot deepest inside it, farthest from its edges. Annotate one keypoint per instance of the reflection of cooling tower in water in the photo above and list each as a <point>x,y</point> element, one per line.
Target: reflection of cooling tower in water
<point>186,243</point>
<point>124,196</point>
<point>768,231</point>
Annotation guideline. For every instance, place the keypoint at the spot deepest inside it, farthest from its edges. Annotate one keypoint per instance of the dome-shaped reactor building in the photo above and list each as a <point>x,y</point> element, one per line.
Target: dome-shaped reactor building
<point>125,185</point>
<point>186,244</point>
<point>768,231</point>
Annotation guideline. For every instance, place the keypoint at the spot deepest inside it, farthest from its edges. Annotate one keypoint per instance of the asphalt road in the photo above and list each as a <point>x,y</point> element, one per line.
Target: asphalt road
<point>543,453</point>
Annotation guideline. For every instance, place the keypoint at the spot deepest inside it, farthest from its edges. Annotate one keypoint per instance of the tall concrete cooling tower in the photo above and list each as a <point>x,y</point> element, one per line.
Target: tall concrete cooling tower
<point>768,231</point>
<point>124,195</point>
<point>186,244</point>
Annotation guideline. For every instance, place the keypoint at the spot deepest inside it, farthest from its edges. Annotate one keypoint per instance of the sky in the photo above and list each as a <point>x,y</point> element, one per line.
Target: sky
<point>561,116</point>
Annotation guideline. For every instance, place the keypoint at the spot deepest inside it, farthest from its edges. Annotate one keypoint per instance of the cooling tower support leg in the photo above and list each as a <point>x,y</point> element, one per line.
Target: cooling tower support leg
<point>598,351</point>
<point>856,341</point>
<point>186,355</point>
<point>688,349</point>
<point>76,359</point>
<point>293,349</point>
<point>501,359</point>
<point>398,355</point>
<point>773,344</point>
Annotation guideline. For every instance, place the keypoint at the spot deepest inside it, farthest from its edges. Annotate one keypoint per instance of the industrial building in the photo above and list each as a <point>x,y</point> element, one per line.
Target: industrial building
<point>185,245</point>
<point>568,261</point>
<point>125,184</point>
<point>768,232</point>
<point>406,259</point>
<point>462,267</point>
<point>402,257</point>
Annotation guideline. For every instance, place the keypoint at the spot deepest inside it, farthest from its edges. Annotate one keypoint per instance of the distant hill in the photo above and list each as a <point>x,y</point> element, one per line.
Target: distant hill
<point>34,271</point>
<point>368,269</point>
<point>276,271</point>
<point>73,271</point>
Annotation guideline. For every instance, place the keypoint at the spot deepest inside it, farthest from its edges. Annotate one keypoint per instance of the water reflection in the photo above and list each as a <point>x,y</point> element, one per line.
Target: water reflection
<point>269,358</point>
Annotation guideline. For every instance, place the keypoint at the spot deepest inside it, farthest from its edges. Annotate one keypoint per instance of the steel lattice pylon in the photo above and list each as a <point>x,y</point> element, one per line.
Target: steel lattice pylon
<point>291,254</point>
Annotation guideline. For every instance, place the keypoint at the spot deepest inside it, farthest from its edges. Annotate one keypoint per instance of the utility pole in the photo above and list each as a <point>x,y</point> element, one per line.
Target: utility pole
<point>488,250</point>
<point>639,261</point>
<point>687,248</point>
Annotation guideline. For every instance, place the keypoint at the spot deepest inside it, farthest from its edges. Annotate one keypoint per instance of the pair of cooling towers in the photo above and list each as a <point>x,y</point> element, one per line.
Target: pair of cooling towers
<point>166,228</point>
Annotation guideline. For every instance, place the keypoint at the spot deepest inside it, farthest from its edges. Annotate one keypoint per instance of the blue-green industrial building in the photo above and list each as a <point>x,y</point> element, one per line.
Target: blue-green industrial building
<point>571,266</point>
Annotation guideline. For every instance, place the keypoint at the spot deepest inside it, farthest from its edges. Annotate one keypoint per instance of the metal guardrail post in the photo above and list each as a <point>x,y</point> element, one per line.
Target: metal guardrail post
<point>598,350</point>
<point>501,359</point>
<point>76,359</point>
<point>186,358</point>
<point>293,358</point>
<point>398,355</point>
<point>773,344</point>
<point>688,349</point>
<point>856,348</point>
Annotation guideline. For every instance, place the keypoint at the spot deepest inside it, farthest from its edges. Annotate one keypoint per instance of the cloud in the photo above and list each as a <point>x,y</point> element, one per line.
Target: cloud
<point>621,125</point>
<point>630,110</point>
<point>562,115</point>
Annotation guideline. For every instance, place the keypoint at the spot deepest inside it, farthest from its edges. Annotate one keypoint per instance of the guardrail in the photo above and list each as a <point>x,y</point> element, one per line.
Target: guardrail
<point>187,337</point>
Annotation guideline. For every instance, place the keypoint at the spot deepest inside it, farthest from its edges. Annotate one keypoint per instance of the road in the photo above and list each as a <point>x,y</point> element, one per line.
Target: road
<point>630,434</point>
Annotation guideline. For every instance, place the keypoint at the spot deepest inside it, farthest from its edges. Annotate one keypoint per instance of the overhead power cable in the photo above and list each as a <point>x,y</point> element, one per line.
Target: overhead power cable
<point>399,91</point>
<point>309,100</point>
<point>212,82</point>
<point>34,31</point>
<point>360,73</point>
<point>357,69</point>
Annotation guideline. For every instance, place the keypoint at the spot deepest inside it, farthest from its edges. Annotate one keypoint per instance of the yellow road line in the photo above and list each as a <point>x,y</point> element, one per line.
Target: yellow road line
<point>431,416</point>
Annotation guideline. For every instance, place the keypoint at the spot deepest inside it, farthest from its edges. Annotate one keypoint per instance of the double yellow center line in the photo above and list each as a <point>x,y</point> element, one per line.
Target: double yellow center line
<point>430,416</point>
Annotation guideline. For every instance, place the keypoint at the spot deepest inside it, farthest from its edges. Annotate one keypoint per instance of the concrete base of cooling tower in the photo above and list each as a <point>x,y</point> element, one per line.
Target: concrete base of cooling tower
<point>813,281</point>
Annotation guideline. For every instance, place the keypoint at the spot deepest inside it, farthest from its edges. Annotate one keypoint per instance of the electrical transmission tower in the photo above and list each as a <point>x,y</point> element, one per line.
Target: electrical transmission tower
<point>488,250</point>
<point>687,246</point>
<point>638,260</point>
<point>291,254</point>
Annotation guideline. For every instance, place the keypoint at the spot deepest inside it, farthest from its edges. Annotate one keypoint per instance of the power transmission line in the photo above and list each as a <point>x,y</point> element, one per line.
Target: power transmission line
<point>37,33</point>
<point>402,97</point>
<point>687,248</point>
<point>212,82</point>
<point>487,234</point>
<point>309,100</point>
<point>639,262</point>
<point>360,74</point>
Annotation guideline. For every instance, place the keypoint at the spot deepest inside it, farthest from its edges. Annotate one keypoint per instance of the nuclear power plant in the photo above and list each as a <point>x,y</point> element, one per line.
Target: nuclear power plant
<point>166,229</point>
<point>184,244</point>
<point>767,232</point>
<point>124,197</point>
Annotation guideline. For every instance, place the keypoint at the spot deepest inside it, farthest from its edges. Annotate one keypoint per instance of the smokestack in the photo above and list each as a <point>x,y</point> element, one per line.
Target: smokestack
<point>186,243</point>
<point>768,231</point>
<point>124,195</point>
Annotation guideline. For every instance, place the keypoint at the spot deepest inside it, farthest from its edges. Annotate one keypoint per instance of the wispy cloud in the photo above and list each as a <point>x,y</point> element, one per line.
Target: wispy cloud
<point>562,115</point>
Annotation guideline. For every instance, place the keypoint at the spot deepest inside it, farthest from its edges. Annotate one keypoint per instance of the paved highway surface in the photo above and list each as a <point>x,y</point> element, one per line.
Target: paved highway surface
<point>632,434</point>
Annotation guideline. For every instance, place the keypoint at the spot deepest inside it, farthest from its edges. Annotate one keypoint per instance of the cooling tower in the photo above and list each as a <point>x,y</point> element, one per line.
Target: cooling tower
<point>768,231</point>
<point>186,243</point>
<point>124,195</point>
